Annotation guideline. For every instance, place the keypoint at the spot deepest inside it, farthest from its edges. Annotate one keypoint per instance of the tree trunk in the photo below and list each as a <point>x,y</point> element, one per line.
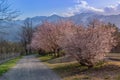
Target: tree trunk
<point>87,63</point>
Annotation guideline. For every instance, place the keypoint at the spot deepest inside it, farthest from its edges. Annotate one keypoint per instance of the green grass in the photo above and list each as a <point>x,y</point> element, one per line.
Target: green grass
<point>45,58</point>
<point>7,65</point>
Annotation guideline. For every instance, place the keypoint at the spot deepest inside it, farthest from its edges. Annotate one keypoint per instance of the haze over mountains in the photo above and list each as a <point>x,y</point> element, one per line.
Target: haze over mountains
<point>83,18</point>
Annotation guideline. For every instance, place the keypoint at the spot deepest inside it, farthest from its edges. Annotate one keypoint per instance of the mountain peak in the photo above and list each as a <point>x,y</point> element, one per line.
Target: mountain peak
<point>54,15</point>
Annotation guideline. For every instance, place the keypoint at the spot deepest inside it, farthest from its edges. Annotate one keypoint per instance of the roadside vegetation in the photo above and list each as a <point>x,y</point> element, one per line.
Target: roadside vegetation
<point>45,58</point>
<point>4,67</point>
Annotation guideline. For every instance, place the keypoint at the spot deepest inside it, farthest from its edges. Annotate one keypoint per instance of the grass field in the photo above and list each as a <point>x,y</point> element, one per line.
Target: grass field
<point>114,56</point>
<point>74,71</point>
<point>7,65</point>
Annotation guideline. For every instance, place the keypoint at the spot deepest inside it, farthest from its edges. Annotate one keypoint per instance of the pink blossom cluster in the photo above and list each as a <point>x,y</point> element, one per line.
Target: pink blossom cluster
<point>88,45</point>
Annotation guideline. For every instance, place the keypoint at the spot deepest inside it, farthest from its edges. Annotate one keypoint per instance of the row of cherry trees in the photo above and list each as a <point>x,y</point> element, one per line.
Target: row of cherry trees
<point>87,44</point>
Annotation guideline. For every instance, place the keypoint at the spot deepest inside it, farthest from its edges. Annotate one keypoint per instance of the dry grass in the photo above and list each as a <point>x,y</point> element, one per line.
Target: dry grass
<point>74,71</point>
<point>114,56</point>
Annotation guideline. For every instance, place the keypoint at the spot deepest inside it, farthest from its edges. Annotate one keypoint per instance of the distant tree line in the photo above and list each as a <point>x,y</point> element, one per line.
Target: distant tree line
<point>8,49</point>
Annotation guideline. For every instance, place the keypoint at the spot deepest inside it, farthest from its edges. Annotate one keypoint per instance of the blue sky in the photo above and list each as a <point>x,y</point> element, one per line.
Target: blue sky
<point>31,8</point>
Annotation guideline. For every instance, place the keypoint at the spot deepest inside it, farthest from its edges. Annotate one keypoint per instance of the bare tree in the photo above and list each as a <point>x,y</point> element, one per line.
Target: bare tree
<point>26,35</point>
<point>6,13</point>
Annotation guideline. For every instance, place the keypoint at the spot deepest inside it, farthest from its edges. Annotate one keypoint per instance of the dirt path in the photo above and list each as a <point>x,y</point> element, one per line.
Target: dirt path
<point>30,68</point>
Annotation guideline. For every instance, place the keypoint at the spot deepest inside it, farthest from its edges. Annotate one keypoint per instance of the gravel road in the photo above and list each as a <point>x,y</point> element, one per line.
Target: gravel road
<point>30,68</point>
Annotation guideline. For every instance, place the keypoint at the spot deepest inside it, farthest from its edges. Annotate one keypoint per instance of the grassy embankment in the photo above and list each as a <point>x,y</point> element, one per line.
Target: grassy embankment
<point>4,67</point>
<point>74,71</point>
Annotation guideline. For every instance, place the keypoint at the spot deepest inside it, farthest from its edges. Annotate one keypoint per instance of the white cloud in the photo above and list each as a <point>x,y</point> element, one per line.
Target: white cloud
<point>82,6</point>
<point>112,10</point>
<point>83,3</point>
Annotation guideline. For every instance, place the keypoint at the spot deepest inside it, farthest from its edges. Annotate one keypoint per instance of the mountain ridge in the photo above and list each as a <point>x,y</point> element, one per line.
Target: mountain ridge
<point>83,18</point>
